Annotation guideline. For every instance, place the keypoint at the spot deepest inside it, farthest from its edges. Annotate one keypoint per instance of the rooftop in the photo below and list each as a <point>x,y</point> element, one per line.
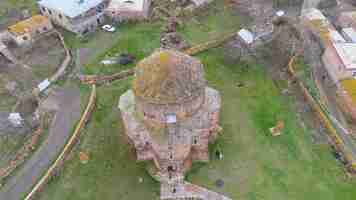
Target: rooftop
<point>70,8</point>
<point>347,54</point>
<point>28,24</point>
<point>169,76</point>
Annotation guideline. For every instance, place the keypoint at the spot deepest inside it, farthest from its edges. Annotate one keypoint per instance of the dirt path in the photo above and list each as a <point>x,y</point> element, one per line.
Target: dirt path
<point>60,131</point>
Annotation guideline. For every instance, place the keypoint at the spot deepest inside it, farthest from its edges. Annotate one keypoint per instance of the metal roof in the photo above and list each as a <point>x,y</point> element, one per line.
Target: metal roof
<point>70,8</point>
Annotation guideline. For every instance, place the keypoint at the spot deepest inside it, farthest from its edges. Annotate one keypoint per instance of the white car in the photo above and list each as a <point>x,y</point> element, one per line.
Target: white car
<point>108,28</point>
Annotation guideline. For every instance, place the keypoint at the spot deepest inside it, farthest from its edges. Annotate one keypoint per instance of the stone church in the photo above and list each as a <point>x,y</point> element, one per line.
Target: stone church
<point>170,117</point>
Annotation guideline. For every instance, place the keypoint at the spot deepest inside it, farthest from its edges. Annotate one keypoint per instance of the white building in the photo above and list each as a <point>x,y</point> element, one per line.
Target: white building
<point>120,10</point>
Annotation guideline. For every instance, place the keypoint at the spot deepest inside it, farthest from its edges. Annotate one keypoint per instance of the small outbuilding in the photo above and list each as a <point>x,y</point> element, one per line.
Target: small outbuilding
<point>27,31</point>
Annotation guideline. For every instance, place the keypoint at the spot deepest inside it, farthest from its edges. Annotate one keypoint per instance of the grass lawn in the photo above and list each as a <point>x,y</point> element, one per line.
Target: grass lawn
<point>255,165</point>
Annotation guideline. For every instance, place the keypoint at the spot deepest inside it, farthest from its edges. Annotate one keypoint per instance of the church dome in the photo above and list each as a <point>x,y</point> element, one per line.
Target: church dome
<point>169,77</point>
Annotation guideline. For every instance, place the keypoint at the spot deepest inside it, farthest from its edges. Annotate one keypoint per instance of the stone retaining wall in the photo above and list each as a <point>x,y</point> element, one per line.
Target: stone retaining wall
<point>21,155</point>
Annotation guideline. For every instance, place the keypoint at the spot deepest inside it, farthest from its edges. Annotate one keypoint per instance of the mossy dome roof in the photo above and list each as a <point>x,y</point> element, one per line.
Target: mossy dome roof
<point>169,76</point>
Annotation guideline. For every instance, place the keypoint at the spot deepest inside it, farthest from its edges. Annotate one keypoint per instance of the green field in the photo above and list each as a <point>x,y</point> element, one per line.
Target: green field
<point>256,166</point>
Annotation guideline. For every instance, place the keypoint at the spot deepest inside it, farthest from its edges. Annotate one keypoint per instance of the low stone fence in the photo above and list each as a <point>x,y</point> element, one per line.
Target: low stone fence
<point>93,79</point>
<point>61,70</point>
<point>21,155</point>
<point>58,164</point>
<point>337,141</point>
<point>218,41</point>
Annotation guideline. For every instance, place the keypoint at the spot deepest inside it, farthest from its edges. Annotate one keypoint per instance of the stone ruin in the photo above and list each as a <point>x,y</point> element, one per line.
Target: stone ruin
<point>170,116</point>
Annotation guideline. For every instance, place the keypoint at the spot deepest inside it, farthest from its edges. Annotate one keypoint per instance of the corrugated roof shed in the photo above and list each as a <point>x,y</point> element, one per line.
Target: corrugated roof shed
<point>28,24</point>
<point>70,8</point>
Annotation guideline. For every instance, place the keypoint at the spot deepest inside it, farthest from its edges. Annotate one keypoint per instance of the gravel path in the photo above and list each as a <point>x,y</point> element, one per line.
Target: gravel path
<point>60,131</point>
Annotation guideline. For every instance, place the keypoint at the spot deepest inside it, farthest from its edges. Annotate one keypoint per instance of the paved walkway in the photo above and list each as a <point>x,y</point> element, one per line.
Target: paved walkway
<point>60,131</point>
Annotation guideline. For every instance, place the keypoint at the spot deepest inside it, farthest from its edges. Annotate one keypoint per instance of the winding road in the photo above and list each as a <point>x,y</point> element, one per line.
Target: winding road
<point>68,101</point>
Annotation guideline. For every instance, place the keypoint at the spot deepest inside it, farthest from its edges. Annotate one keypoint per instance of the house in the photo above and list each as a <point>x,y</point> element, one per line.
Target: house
<point>78,16</point>
<point>338,58</point>
<point>120,10</point>
<point>340,61</point>
<point>27,31</point>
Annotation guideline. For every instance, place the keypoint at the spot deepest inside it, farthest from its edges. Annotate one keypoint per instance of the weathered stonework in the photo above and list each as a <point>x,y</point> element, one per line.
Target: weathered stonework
<point>172,128</point>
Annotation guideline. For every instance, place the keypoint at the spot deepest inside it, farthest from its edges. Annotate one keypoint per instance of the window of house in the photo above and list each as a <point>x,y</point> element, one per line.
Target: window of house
<point>60,16</point>
<point>50,11</point>
<point>354,74</point>
<point>45,28</point>
<point>25,38</point>
<point>43,9</point>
